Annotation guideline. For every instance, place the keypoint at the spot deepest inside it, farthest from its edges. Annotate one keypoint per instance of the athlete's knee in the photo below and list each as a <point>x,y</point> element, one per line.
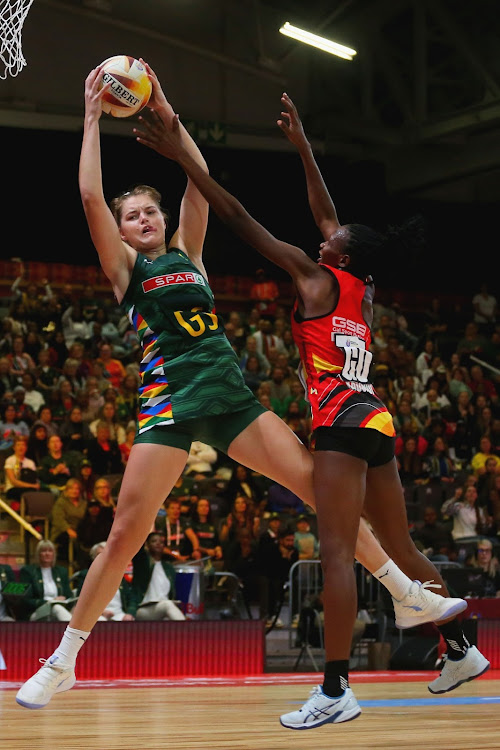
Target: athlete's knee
<point>336,556</point>
<point>123,542</point>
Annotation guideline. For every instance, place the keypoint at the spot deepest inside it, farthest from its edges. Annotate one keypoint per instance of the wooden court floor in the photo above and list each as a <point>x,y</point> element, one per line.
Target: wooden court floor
<point>243,715</point>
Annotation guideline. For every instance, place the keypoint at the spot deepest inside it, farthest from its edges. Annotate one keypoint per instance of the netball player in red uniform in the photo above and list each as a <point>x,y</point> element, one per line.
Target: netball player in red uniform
<point>354,466</point>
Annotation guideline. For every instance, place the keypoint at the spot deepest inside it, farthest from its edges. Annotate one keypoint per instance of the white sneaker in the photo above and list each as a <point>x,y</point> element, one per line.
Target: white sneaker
<point>454,673</point>
<point>50,679</point>
<point>320,709</point>
<point>421,605</point>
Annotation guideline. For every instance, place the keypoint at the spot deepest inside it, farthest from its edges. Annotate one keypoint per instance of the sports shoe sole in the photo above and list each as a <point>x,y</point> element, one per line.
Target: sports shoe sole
<point>59,689</point>
<point>457,684</point>
<point>413,622</point>
<point>350,716</point>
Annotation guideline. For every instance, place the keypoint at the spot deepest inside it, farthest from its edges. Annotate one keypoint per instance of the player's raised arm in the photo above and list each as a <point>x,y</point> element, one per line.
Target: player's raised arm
<point>167,141</point>
<point>115,256</point>
<point>193,215</point>
<point>320,202</point>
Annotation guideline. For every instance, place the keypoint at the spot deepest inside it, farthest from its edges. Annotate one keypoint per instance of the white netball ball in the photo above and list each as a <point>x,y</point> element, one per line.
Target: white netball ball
<point>130,87</point>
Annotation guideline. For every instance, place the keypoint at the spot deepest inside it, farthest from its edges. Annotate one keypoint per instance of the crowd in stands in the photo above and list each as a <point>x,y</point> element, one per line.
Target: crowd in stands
<point>69,374</point>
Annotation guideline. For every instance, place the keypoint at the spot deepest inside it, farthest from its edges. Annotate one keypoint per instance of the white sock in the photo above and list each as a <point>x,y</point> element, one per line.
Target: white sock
<point>393,578</point>
<point>70,645</point>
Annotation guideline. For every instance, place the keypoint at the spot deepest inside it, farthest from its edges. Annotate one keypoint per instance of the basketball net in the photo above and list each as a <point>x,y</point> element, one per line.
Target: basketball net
<point>12,16</point>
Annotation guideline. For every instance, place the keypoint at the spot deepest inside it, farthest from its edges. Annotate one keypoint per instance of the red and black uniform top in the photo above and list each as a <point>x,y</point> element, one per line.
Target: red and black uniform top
<point>335,362</point>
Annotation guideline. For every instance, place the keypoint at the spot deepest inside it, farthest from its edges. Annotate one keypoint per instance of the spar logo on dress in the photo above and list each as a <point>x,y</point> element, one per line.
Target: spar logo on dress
<point>158,282</point>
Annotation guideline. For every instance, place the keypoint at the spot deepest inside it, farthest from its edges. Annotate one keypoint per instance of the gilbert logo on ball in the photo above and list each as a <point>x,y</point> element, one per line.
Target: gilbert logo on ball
<point>130,88</point>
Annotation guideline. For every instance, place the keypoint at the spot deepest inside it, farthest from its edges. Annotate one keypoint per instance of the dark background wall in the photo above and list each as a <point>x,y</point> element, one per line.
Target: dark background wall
<point>416,113</point>
<point>43,217</point>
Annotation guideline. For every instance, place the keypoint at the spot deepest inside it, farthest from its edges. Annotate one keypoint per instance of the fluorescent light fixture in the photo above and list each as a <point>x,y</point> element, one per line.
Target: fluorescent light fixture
<point>317,41</point>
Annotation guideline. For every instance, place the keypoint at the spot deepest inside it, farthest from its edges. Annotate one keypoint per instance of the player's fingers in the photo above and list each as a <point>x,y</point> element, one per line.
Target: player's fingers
<point>149,128</point>
<point>149,69</point>
<point>100,92</point>
<point>139,133</point>
<point>157,117</point>
<point>144,139</point>
<point>93,77</point>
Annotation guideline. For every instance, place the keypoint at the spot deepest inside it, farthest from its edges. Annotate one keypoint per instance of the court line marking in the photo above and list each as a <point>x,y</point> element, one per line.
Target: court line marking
<point>281,678</point>
<point>421,702</point>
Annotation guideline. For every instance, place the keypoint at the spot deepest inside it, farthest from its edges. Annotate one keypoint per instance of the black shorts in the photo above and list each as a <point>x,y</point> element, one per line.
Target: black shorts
<point>370,445</point>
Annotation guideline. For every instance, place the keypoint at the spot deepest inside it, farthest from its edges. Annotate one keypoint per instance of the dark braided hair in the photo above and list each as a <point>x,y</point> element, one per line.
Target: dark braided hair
<point>364,242</point>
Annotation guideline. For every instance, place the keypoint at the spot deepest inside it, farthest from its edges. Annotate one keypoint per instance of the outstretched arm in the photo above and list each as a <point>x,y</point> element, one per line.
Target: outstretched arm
<point>193,216</point>
<point>115,256</point>
<point>320,202</point>
<point>167,141</point>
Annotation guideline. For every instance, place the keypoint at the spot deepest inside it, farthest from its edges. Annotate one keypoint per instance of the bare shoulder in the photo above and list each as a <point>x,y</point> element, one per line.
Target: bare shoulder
<point>319,291</point>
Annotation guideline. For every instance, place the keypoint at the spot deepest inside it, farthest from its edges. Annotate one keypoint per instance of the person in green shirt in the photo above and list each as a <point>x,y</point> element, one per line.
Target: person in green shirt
<point>50,597</point>
<point>6,576</point>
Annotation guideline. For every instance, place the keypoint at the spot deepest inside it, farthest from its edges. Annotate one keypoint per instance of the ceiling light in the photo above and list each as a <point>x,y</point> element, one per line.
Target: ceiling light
<point>317,41</point>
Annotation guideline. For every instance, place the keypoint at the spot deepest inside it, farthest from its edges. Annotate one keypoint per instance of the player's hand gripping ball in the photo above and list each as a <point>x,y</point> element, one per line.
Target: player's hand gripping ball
<point>130,88</point>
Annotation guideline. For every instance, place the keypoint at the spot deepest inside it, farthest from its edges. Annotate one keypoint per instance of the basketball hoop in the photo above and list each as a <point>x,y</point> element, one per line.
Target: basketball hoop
<point>12,16</point>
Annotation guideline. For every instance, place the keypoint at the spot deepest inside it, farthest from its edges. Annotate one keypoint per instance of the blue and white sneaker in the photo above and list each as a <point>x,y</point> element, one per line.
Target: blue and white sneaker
<point>455,673</point>
<point>321,709</point>
<point>51,678</point>
<point>421,605</point>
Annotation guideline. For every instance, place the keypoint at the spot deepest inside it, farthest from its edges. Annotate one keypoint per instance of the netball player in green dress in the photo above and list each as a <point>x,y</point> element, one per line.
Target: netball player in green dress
<point>191,385</point>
